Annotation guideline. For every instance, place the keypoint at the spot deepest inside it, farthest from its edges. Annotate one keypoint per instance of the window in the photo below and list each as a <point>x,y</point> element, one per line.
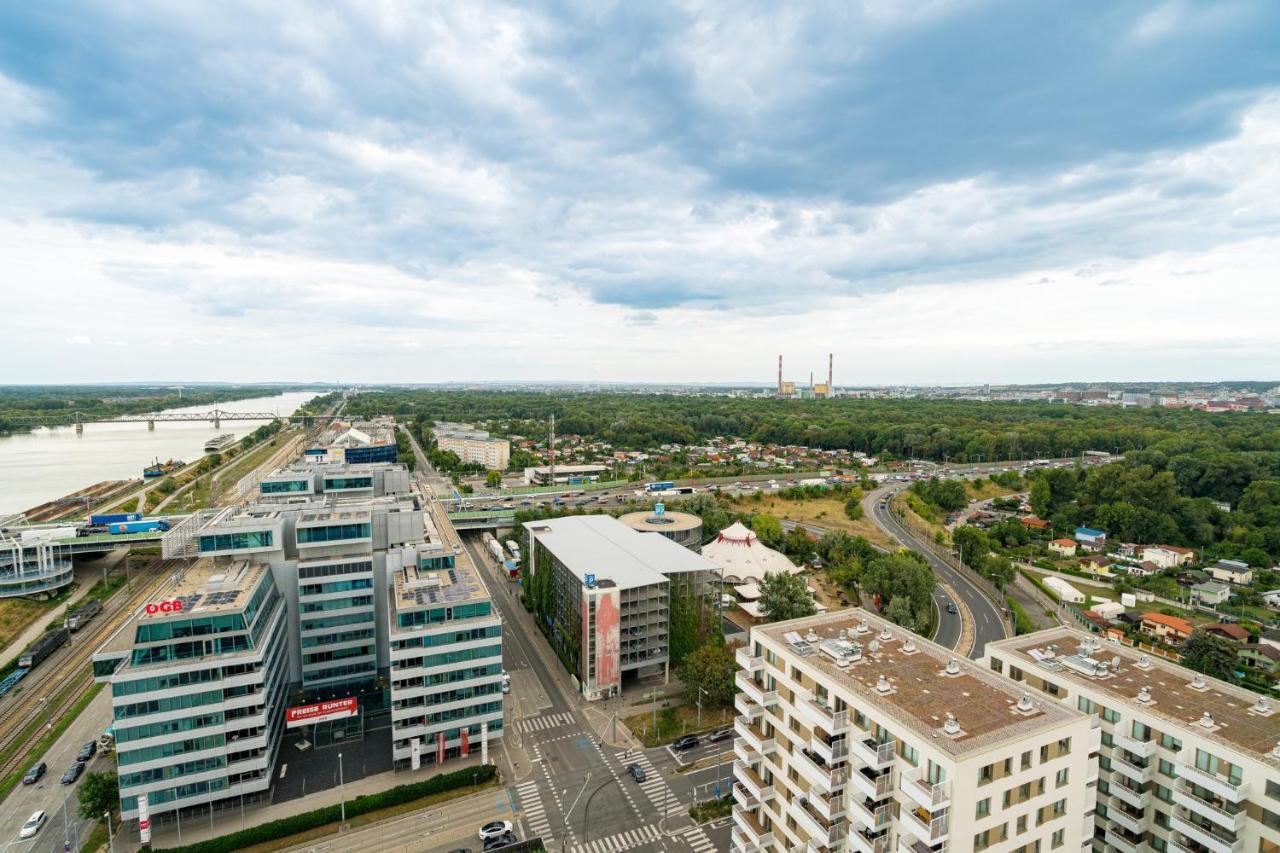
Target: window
<point>1064,746</point>
<point>333,484</point>
<point>987,775</point>
<point>235,541</point>
<point>997,665</point>
<point>1058,838</point>
<point>1021,825</point>
<point>1110,715</point>
<point>1140,731</point>
<point>1273,790</point>
<point>1088,706</point>
<point>1166,768</point>
<point>279,487</point>
<point>983,809</point>
<point>1170,742</point>
<point>1044,756</point>
<point>1061,778</point>
<point>333,533</point>
<point>1026,758</point>
<point>1164,794</point>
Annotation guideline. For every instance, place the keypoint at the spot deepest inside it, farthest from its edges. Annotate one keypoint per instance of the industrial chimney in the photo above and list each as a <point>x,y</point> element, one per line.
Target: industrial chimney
<point>831,360</point>
<point>779,374</point>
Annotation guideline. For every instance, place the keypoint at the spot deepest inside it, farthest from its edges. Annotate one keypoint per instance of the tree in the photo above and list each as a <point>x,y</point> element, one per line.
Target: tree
<point>493,479</point>
<point>768,529</point>
<point>98,793</point>
<point>710,667</point>
<point>798,545</point>
<point>784,596</point>
<point>899,612</point>
<point>1040,498</point>
<point>902,575</point>
<point>853,509</point>
<point>1211,654</point>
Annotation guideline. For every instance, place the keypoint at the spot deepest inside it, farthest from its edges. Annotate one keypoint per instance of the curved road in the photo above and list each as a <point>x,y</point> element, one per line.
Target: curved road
<point>988,621</point>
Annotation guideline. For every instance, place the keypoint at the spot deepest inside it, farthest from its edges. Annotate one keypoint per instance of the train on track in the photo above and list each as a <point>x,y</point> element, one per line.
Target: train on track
<point>45,646</point>
<point>80,616</point>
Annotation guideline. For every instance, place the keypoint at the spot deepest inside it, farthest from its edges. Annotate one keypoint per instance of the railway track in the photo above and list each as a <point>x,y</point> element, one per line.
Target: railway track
<point>17,735</point>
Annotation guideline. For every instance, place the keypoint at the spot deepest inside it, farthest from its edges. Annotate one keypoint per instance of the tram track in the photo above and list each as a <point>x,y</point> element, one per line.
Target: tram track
<point>70,677</point>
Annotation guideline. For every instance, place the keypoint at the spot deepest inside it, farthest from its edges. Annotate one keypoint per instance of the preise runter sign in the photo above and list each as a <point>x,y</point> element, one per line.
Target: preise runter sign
<point>321,712</point>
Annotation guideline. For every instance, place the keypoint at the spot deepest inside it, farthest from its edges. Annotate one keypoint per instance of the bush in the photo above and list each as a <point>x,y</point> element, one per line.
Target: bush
<point>292,825</point>
<point>1022,623</point>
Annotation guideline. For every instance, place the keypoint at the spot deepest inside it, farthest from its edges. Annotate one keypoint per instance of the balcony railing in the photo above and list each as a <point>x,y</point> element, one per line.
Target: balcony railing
<point>818,828</point>
<point>1133,771</point>
<point>874,755</point>
<point>742,749</point>
<point>1230,820</point>
<point>873,786</point>
<point>1116,838</point>
<point>925,827</point>
<point>752,781</point>
<point>869,816</point>
<point>755,737</point>
<point>747,708</point>
<point>932,796</point>
<point>817,772</point>
<point>1144,748</point>
<point>816,714</point>
<point>1135,823</point>
<point>747,661</point>
<point>755,691</point>
<point>741,842</point>
<point>832,752</point>
<point>751,827</point>
<point>1134,798</point>
<point>744,798</point>
<point>1214,839</point>
<point>1225,788</point>
<point>863,843</point>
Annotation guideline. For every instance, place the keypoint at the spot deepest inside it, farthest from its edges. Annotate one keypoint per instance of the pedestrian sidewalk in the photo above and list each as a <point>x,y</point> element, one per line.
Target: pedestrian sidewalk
<point>86,575</point>
<point>227,818</point>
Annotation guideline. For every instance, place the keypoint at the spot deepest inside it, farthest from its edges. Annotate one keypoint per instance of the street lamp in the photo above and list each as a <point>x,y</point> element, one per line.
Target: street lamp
<point>342,796</point>
<point>111,842</point>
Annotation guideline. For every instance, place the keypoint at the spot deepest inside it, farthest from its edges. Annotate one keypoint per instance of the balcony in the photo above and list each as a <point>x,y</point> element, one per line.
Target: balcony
<point>1132,771</point>
<point>863,843</point>
<point>925,827</point>
<point>1143,748</point>
<point>1129,796</point>
<point>817,772</point>
<point>815,714</point>
<point>746,708</point>
<point>743,798</point>
<point>830,807</point>
<point>743,751</point>
<point>752,781</point>
<point>1132,821</point>
<point>877,756</point>
<point>926,794</point>
<point>741,842</point>
<point>871,785</point>
<point>869,816</point>
<point>1122,841</point>
<point>819,829</point>
<point>1207,836</point>
<point>832,752</point>
<point>749,825</point>
<point>1232,821</point>
<point>746,661</point>
<point>755,690</point>
<point>755,737</point>
<point>1095,736</point>
<point>1230,792</point>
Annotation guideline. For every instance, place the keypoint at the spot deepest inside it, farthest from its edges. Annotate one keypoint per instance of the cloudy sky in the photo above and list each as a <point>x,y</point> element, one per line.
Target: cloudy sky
<point>379,191</point>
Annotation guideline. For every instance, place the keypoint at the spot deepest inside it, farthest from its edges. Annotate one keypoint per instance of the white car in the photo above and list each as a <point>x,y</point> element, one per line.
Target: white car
<point>495,829</point>
<point>33,825</point>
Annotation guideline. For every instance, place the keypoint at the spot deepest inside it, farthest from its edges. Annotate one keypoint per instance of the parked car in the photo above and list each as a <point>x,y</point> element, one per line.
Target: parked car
<point>89,750</point>
<point>719,735</point>
<point>33,824</point>
<point>35,773</point>
<point>73,773</point>
<point>499,842</point>
<point>636,771</point>
<point>685,742</point>
<point>495,829</point>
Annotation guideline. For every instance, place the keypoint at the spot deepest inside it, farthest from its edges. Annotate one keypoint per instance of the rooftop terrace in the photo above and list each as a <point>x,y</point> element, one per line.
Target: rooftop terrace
<point>1175,695</point>
<point>925,681</point>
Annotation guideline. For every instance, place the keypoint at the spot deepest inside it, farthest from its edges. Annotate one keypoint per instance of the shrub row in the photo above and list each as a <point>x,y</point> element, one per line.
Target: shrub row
<point>1022,623</point>
<point>294,824</point>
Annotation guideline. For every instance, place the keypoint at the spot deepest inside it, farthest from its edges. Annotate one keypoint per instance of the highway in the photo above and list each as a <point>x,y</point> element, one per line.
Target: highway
<point>987,619</point>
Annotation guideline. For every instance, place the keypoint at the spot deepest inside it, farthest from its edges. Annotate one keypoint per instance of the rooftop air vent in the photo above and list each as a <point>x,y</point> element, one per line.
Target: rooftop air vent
<point>1262,706</point>
<point>953,667</point>
<point>952,725</point>
<point>1144,662</point>
<point>1198,683</point>
<point>1144,695</point>
<point>812,636</point>
<point>1206,721</point>
<point>910,645</point>
<point>862,627</point>
<point>1024,704</point>
<point>885,634</point>
<point>883,685</point>
<point>844,635</point>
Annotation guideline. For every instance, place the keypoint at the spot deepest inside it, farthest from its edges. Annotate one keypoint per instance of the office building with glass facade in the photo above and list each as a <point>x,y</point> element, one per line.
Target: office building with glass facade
<point>306,480</point>
<point>198,689</point>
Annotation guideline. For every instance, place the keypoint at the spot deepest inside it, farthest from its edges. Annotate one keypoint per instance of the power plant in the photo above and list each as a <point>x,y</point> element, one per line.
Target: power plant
<point>786,389</point>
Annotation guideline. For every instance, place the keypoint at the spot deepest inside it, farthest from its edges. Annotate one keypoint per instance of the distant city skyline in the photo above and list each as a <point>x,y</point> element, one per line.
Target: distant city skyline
<point>939,193</point>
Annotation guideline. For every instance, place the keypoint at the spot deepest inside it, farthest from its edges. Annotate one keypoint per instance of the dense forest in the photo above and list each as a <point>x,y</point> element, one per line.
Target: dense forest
<point>943,430</point>
<point>54,405</point>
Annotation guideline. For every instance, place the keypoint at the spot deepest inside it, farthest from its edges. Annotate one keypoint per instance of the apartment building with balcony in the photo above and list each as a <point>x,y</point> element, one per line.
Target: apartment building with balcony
<point>1188,764</point>
<point>473,446</point>
<point>198,689</point>
<point>856,735</point>
<point>446,664</point>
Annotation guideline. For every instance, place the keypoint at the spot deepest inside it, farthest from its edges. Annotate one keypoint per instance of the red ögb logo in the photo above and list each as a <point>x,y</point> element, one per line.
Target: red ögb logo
<point>173,606</point>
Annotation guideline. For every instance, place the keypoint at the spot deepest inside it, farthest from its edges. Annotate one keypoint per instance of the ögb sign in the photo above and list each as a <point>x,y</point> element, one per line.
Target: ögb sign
<point>172,606</point>
<point>320,712</point>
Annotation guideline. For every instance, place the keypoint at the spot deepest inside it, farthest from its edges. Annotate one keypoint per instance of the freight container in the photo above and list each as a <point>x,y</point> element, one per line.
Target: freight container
<point>139,526</point>
<point>114,518</point>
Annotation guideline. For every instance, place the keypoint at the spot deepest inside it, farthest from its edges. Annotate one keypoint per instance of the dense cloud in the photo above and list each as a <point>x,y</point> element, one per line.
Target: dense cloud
<point>483,190</point>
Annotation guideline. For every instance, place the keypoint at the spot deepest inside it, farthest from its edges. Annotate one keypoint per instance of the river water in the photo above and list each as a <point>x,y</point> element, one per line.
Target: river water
<point>48,463</point>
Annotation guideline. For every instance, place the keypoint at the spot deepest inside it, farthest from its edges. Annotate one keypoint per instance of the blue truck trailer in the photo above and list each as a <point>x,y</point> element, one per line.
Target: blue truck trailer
<point>139,526</point>
<point>114,518</point>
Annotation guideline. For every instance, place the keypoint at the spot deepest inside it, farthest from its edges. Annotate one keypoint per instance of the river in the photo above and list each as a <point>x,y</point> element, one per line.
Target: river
<point>48,463</point>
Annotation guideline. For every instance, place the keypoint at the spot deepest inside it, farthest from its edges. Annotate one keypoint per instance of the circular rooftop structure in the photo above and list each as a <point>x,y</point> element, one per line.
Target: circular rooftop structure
<point>742,558</point>
<point>680,527</point>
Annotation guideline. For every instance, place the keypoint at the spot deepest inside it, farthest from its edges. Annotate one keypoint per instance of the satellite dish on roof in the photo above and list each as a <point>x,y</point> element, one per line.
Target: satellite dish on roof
<point>1115,661</point>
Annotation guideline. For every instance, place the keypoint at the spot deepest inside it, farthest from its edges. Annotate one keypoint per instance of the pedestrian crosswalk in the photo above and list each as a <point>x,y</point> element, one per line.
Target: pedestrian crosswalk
<point>627,840</point>
<point>546,721</point>
<point>697,840</point>
<point>654,786</point>
<point>534,812</point>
